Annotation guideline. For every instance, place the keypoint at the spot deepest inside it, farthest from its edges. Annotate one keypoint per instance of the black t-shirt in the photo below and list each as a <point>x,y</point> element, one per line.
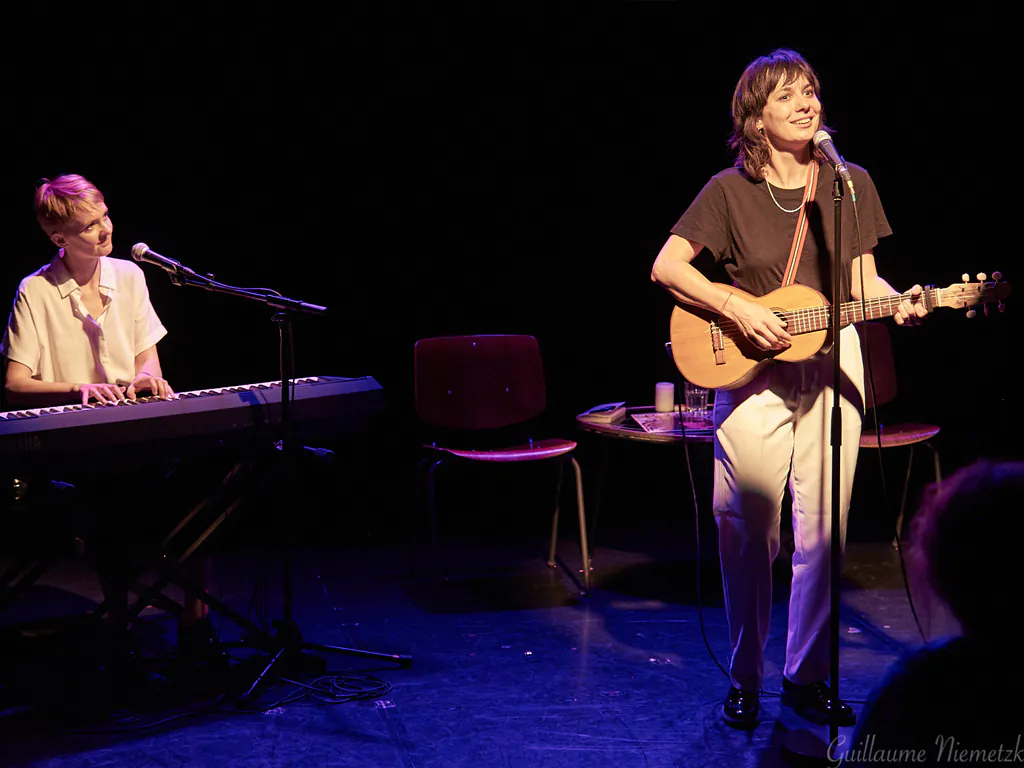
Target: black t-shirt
<point>735,218</point>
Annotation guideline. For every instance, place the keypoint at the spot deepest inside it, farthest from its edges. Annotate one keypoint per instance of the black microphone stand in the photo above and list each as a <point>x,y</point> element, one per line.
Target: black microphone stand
<point>288,644</point>
<point>837,443</point>
<point>801,743</point>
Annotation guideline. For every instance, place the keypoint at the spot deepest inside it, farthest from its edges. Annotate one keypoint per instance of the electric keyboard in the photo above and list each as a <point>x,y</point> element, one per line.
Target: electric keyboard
<point>319,407</point>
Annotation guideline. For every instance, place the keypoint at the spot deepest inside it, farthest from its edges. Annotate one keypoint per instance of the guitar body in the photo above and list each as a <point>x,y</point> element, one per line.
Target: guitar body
<point>719,356</point>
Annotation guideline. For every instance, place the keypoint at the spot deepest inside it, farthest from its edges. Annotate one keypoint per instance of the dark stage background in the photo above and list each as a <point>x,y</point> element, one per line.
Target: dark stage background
<point>427,173</point>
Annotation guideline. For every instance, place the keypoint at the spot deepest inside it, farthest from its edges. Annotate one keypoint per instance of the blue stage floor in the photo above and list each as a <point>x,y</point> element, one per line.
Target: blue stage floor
<point>510,666</point>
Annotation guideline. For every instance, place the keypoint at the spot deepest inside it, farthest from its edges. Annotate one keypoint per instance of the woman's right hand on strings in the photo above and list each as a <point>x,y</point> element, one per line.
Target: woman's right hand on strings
<point>760,325</point>
<point>101,393</point>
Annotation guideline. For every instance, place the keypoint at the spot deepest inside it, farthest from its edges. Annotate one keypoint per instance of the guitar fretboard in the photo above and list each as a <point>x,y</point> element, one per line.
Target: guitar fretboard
<point>819,318</point>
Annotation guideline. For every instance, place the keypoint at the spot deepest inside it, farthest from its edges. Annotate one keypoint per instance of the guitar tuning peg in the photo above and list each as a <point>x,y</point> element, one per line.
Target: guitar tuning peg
<point>997,275</point>
<point>985,308</point>
<point>964,278</point>
<point>1001,307</point>
<point>971,313</point>
<point>981,277</point>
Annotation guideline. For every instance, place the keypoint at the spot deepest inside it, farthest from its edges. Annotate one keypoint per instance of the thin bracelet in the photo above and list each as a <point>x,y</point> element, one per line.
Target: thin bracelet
<point>722,308</point>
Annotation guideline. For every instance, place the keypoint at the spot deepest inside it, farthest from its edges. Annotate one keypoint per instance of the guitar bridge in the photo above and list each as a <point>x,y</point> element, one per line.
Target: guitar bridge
<point>718,343</point>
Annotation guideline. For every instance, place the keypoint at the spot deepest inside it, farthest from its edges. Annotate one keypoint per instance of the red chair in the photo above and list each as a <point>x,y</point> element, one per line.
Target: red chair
<point>876,348</point>
<point>478,390</point>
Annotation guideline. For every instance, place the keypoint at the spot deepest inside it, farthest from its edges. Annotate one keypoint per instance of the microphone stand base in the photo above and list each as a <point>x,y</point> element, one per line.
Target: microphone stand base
<point>804,743</point>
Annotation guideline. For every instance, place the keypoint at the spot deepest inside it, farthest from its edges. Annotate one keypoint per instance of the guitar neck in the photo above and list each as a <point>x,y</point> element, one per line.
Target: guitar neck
<point>820,318</point>
<point>716,352</point>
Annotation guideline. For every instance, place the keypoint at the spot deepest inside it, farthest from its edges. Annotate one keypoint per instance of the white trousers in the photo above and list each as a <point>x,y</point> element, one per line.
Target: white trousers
<point>774,429</point>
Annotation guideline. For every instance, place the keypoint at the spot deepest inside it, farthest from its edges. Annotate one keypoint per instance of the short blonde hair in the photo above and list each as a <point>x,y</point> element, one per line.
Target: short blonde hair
<point>59,201</point>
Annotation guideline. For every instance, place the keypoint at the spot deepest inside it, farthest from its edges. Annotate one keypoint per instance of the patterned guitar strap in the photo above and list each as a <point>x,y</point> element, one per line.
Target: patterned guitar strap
<point>801,226</point>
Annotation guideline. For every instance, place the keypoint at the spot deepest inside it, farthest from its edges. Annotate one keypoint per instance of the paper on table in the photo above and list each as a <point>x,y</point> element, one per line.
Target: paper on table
<point>669,422</point>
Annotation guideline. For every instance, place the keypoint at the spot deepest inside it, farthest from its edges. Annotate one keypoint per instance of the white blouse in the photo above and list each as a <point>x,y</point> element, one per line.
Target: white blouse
<point>52,332</point>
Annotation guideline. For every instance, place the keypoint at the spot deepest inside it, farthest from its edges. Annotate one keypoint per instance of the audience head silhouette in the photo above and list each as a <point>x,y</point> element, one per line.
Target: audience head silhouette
<point>966,539</point>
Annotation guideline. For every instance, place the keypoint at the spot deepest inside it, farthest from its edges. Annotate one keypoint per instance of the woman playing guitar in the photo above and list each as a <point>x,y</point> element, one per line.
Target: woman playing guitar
<point>768,222</point>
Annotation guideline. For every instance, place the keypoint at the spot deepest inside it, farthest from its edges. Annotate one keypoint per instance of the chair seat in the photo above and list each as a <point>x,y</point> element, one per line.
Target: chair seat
<point>894,435</point>
<point>535,451</point>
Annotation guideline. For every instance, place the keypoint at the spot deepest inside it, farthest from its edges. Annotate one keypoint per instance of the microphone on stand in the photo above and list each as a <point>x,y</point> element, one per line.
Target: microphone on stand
<point>142,252</point>
<point>823,143</point>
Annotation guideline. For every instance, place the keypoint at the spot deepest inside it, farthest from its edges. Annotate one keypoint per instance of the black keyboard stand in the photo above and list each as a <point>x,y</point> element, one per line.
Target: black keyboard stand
<point>249,477</point>
<point>287,647</point>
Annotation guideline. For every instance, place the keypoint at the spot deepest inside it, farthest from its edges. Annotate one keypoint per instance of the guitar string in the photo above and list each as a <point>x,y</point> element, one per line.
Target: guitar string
<point>799,316</point>
<point>854,307</point>
<point>811,317</point>
<point>728,325</point>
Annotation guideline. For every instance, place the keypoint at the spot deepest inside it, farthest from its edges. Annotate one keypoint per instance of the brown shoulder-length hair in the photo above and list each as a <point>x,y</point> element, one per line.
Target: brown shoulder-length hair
<point>755,85</point>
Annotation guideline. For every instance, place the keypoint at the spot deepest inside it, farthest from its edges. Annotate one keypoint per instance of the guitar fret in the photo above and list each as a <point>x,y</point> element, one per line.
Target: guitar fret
<point>810,319</point>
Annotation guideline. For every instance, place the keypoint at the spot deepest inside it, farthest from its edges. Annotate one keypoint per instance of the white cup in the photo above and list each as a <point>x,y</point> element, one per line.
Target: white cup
<point>664,397</point>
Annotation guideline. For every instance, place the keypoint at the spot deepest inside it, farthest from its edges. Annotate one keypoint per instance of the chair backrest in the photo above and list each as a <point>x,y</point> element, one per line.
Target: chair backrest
<point>478,382</point>
<point>875,342</point>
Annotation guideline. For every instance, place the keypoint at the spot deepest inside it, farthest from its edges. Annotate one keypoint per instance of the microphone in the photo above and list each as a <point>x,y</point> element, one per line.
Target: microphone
<point>142,252</point>
<point>823,143</point>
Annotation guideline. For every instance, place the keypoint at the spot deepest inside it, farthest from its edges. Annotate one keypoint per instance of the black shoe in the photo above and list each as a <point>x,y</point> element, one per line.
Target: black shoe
<point>814,703</point>
<point>741,708</point>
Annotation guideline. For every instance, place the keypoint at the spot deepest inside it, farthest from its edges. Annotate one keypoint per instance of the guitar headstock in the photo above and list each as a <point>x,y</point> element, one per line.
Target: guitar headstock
<point>967,294</point>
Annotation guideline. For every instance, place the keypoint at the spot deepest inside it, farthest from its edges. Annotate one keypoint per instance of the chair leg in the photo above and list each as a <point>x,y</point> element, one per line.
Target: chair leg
<point>935,460</point>
<point>414,529</point>
<point>413,522</point>
<point>554,519</point>
<point>584,548</point>
<point>903,501</point>
<point>416,513</point>
<point>431,507</point>
<point>598,486</point>
<point>938,479</point>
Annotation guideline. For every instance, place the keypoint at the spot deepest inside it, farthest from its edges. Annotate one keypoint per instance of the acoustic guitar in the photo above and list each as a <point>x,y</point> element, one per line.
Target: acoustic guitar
<point>711,351</point>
